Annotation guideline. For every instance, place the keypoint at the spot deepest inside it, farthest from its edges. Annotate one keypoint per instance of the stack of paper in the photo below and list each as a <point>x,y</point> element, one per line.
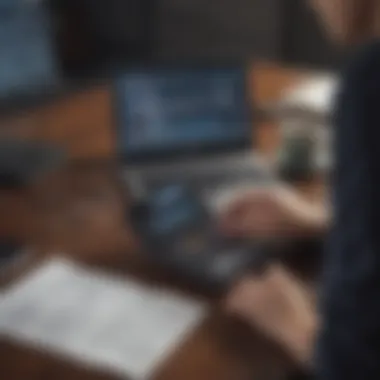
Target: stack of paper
<point>117,325</point>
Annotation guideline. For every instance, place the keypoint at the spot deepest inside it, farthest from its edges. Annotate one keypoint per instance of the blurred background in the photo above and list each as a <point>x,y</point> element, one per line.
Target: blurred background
<point>63,186</point>
<point>66,42</point>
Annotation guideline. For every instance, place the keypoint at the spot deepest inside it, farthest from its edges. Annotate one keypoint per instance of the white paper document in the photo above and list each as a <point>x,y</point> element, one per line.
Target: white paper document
<point>116,325</point>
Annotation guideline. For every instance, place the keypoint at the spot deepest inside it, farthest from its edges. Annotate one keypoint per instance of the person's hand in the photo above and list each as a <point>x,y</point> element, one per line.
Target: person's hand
<point>280,307</point>
<point>277,212</point>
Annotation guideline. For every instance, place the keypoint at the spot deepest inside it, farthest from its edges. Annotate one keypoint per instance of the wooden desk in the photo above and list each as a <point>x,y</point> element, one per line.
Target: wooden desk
<point>81,211</point>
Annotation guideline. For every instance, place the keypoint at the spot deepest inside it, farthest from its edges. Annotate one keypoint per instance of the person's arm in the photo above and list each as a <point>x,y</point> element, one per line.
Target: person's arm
<point>348,346</point>
<point>274,212</point>
<point>279,305</point>
<point>311,218</point>
<point>301,343</point>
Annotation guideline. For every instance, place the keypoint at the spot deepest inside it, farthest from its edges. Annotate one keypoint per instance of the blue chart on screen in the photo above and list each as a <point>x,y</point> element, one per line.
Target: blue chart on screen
<point>170,109</point>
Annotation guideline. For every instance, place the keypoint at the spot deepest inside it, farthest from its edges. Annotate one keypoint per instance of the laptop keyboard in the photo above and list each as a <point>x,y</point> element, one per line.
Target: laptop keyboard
<point>207,179</point>
<point>209,175</point>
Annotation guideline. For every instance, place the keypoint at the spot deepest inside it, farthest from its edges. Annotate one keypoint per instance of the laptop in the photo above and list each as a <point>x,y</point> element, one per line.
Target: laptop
<point>187,125</point>
<point>185,139</point>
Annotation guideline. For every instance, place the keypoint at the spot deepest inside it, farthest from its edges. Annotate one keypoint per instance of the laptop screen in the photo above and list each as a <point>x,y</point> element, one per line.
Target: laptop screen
<point>166,111</point>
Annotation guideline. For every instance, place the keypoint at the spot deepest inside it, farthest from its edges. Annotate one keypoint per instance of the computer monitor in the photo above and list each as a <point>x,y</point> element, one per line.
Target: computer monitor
<point>28,63</point>
<point>166,111</point>
<point>50,47</point>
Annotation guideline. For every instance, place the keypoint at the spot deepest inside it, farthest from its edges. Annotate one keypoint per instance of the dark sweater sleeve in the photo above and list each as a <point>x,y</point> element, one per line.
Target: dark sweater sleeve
<point>349,342</point>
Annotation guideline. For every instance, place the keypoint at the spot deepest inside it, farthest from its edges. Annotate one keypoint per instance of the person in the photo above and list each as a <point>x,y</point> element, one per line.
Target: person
<point>340,338</point>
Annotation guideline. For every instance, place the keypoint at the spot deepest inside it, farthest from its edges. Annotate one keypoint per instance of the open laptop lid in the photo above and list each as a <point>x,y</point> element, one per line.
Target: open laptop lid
<point>168,113</point>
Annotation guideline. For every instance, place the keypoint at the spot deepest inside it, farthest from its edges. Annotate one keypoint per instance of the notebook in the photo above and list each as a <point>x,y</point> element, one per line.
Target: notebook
<point>115,325</point>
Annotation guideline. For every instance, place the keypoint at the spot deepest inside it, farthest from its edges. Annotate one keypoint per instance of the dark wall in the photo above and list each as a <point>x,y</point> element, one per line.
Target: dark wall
<point>305,42</point>
<point>93,32</point>
<point>200,29</point>
<point>90,33</point>
<point>176,29</point>
<point>28,62</point>
<point>283,30</point>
